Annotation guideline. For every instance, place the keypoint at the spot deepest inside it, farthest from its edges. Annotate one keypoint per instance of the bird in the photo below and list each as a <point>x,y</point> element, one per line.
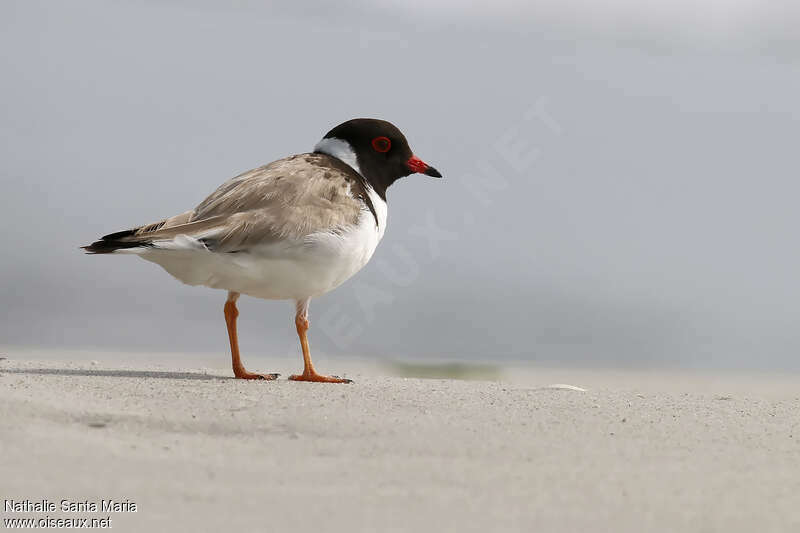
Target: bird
<point>293,229</point>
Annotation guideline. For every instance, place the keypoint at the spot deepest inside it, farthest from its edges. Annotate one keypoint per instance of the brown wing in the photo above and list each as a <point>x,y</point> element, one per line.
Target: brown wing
<point>289,198</point>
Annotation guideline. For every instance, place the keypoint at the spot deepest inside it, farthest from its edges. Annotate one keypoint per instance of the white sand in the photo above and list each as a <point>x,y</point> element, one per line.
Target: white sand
<point>639,451</point>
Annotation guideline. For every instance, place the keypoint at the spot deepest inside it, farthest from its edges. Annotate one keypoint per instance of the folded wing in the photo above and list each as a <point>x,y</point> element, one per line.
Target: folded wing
<point>290,198</point>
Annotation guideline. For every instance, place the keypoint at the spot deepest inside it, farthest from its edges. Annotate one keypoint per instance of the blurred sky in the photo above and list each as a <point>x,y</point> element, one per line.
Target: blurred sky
<point>620,177</point>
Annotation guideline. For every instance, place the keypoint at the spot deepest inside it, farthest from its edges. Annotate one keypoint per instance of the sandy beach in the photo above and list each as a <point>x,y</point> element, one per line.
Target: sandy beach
<point>196,450</point>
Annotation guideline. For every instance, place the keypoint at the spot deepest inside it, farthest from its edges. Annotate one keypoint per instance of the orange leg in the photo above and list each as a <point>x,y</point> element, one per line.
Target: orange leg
<point>231,313</point>
<point>309,374</point>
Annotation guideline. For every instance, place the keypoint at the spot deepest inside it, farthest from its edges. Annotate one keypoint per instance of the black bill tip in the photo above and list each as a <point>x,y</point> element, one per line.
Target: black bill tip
<point>430,171</point>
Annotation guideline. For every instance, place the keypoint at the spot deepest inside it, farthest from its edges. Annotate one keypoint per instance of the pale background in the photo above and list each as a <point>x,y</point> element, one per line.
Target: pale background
<point>621,181</point>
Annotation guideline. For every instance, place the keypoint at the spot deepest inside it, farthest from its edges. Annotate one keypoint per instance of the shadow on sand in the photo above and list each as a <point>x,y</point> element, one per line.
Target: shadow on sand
<point>112,373</point>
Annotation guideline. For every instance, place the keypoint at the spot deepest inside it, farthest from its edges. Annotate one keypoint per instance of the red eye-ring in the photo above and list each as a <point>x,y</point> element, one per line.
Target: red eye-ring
<point>381,144</point>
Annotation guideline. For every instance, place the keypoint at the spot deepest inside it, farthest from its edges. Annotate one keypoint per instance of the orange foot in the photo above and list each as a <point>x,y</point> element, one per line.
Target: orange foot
<point>251,375</point>
<point>319,378</point>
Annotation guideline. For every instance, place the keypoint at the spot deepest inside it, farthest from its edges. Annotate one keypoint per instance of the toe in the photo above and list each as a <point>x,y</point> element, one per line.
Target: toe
<point>319,378</point>
<point>253,376</point>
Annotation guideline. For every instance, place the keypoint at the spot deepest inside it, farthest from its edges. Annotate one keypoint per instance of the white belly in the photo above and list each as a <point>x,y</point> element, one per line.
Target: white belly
<point>290,269</point>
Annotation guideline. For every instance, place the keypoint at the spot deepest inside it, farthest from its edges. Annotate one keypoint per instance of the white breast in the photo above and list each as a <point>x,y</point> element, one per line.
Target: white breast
<point>347,253</point>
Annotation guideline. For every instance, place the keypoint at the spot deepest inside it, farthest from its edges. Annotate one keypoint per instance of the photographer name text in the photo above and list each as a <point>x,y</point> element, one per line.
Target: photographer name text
<point>69,506</point>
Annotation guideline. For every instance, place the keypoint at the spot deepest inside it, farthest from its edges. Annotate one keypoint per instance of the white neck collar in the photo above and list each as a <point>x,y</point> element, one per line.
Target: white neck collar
<point>339,149</point>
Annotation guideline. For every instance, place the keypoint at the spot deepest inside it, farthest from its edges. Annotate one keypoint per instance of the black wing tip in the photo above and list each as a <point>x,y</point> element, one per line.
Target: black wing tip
<point>114,241</point>
<point>107,247</point>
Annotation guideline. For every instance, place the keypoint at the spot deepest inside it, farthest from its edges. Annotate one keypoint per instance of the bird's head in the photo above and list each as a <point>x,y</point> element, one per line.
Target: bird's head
<point>376,149</point>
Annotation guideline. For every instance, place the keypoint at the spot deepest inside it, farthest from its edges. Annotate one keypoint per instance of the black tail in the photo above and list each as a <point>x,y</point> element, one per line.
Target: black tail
<point>112,242</point>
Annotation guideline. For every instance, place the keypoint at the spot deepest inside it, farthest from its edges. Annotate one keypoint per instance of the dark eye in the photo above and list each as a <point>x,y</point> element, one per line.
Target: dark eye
<point>381,144</point>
